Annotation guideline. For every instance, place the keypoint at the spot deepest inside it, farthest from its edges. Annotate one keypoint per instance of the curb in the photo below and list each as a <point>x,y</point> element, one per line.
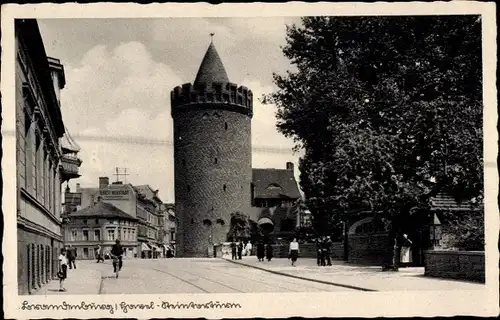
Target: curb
<point>302,278</point>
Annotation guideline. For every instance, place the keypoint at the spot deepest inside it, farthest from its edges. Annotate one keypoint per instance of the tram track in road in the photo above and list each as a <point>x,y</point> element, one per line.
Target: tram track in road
<point>196,275</point>
<point>240,276</point>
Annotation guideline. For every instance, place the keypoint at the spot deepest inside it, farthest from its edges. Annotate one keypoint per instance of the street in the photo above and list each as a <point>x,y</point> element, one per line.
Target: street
<point>205,275</point>
<point>198,276</point>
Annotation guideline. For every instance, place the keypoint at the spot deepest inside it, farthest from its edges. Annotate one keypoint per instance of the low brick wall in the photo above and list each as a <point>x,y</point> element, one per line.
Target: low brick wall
<point>368,248</point>
<point>363,249</point>
<point>463,265</point>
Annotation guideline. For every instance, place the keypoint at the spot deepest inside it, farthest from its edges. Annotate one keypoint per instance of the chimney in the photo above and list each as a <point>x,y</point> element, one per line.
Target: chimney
<point>103,182</point>
<point>289,166</point>
<point>77,188</point>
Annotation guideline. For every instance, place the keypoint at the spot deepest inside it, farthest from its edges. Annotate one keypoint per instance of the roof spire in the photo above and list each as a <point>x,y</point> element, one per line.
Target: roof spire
<point>211,68</point>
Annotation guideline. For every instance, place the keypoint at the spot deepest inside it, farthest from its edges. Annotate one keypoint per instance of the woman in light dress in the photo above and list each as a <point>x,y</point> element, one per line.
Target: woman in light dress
<point>294,251</point>
<point>406,250</point>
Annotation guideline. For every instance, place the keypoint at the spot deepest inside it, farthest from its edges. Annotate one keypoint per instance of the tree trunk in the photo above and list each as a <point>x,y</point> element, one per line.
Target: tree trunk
<point>346,242</point>
<point>392,256</point>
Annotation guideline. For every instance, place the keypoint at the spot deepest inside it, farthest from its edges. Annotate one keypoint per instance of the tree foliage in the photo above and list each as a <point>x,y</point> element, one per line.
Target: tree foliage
<point>381,106</point>
<point>239,227</point>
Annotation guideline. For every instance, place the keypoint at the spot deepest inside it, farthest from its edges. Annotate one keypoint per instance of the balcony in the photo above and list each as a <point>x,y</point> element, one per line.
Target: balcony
<point>70,165</point>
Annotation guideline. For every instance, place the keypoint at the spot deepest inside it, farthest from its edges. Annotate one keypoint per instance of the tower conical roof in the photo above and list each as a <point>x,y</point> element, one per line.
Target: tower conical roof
<point>211,68</point>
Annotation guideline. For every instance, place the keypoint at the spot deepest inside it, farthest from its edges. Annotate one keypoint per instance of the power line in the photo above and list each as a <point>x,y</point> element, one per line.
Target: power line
<point>156,142</point>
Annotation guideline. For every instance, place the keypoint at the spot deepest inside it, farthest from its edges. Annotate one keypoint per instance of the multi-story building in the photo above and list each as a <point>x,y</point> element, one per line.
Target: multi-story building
<point>140,202</point>
<point>276,196</point>
<point>42,164</point>
<point>169,228</point>
<point>101,224</point>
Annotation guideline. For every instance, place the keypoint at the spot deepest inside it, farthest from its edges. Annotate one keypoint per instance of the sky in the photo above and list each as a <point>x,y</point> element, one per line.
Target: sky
<point>119,74</point>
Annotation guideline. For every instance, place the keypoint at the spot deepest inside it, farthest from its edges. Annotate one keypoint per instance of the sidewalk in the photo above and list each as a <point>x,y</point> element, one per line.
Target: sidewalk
<point>85,279</point>
<point>369,278</point>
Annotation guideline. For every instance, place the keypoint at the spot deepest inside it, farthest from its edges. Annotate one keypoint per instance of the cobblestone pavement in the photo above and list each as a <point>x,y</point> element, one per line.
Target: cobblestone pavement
<point>200,276</point>
<point>367,277</point>
<point>164,276</point>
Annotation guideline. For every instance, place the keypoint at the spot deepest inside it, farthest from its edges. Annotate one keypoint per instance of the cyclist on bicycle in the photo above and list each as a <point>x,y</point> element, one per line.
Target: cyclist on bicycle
<point>116,254</point>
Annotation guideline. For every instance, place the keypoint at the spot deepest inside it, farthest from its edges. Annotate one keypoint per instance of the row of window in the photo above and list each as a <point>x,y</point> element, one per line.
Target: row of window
<point>41,177</point>
<point>268,203</point>
<point>127,234</point>
<point>112,221</point>
<point>145,231</point>
<point>149,217</point>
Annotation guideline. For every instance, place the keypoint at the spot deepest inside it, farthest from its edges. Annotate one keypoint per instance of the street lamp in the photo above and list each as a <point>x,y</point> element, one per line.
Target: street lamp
<point>435,231</point>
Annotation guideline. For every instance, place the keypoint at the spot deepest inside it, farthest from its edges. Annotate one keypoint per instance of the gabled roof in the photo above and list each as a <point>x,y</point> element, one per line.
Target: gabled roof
<point>211,68</point>
<point>102,210</point>
<point>274,183</point>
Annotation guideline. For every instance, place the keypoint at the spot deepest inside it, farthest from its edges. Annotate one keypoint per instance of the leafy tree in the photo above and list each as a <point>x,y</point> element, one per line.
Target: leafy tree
<point>382,106</point>
<point>240,226</point>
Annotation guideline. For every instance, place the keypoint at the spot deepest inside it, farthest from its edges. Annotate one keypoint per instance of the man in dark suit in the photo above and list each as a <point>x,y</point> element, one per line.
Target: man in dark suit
<point>71,254</point>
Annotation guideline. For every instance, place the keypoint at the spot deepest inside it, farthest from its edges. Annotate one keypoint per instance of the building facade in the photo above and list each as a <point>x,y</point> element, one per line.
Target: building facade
<point>170,227</point>
<point>212,155</point>
<point>100,224</point>
<point>140,202</point>
<point>41,161</point>
<point>276,200</point>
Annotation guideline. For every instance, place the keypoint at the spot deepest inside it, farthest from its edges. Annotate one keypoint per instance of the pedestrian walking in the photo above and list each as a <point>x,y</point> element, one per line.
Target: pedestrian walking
<point>99,254</point>
<point>319,253</point>
<point>62,274</point>
<point>294,251</point>
<point>269,252</point>
<point>234,249</point>
<point>328,245</point>
<point>240,250</point>
<point>261,251</point>
<point>71,256</point>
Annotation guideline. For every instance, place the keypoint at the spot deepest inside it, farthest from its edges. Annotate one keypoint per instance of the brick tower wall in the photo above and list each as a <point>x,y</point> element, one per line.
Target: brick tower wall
<point>213,171</point>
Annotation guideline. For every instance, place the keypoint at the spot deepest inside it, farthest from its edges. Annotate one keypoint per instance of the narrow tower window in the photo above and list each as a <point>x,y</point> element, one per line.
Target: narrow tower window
<point>224,187</point>
<point>188,188</point>
<point>192,221</point>
<point>225,125</point>
<point>215,160</point>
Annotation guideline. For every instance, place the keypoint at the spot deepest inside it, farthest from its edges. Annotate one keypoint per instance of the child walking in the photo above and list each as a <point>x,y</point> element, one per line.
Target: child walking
<point>63,269</point>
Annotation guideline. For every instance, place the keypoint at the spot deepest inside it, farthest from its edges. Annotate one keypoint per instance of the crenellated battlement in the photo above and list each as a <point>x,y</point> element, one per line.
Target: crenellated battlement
<point>226,95</point>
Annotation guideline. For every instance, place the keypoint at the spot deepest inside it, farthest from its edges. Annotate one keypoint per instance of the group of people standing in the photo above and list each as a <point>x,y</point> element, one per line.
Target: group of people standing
<point>323,249</point>
<point>239,249</point>
<point>264,251</point>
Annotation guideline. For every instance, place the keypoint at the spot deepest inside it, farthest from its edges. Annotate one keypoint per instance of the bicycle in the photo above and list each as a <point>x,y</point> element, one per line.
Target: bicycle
<point>117,264</point>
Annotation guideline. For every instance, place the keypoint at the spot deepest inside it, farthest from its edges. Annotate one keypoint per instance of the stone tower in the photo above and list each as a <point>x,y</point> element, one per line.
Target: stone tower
<point>212,156</point>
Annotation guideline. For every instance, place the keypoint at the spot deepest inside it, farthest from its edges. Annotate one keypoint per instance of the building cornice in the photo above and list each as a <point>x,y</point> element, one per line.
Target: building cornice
<point>27,196</point>
<point>35,228</point>
<point>30,41</point>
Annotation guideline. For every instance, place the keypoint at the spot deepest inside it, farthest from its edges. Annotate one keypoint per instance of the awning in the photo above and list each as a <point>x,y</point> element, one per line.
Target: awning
<point>264,221</point>
<point>145,247</point>
<point>154,247</point>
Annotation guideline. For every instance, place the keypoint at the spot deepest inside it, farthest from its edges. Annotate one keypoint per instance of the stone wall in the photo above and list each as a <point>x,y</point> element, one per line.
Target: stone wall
<point>463,265</point>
